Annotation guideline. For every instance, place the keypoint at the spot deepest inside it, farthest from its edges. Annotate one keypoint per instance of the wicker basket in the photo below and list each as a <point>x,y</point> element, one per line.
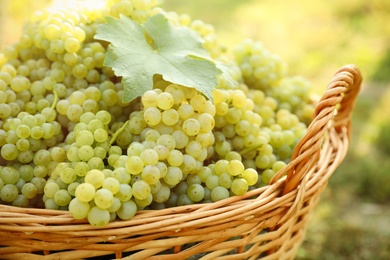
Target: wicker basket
<point>268,222</point>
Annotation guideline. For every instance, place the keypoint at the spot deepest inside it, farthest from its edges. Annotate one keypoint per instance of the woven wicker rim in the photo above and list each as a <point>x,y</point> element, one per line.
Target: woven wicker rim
<point>279,207</point>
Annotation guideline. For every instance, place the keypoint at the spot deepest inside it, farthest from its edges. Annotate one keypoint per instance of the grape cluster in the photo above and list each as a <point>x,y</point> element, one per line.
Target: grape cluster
<point>69,142</point>
<point>266,71</point>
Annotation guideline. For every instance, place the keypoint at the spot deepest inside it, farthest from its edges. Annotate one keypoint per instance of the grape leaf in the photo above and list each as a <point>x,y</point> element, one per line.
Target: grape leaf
<point>137,52</point>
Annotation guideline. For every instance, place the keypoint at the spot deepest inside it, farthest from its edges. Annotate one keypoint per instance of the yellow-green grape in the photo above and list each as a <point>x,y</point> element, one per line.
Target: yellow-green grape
<point>62,198</point>
<point>98,217</point>
<point>79,209</point>
<point>239,186</point>
<point>124,193</point>
<point>103,198</point>
<point>219,193</point>
<point>141,190</point>
<point>127,210</point>
<point>85,192</point>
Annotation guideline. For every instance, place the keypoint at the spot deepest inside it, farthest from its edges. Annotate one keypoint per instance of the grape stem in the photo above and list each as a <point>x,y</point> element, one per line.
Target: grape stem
<point>248,149</point>
<point>55,99</point>
<point>120,130</point>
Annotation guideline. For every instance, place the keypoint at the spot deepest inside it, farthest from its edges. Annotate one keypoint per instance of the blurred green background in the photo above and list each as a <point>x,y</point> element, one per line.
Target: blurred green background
<point>315,37</point>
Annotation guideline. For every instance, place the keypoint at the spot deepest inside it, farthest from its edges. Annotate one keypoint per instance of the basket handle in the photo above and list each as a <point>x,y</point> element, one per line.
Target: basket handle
<point>334,110</point>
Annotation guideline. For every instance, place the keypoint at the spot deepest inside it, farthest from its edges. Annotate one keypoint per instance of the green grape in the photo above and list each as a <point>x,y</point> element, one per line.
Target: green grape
<point>167,140</point>
<point>186,111</point>
<point>251,176</point>
<point>39,184</point>
<point>219,193</point>
<point>26,172</point>
<point>72,45</point>
<point>193,148</point>
<point>212,181</point>
<point>9,193</point>
<point>225,180</point>
<point>100,135</point>
<point>175,158</point>
<point>222,148</point>
<point>29,190</point>
<point>183,200</point>
<point>267,175</point>
<point>174,176</point>
<point>163,168</point>
<point>239,186</point>
<point>238,99</point>
<point>116,204</point>
<point>22,131</point>
<point>181,138</point>
<point>68,175</point>
<point>98,217</point>
<point>20,201</point>
<point>79,209</point>
<point>145,202</point>
<point>81,168</point>
<point>165,100</point>
<point>95,177</point>
<point>72,188</point>
<point>19,184</point>
<point>141,189</point>
<point>181,187</point>
<point>149,156</point>
<point>85,192</point>
<point>36,132</point>
<point>233,155</point>
<point>9,175</point>
<point>162,152</point>
<point>243,128</point>
<point>189,164</point>
<point>137,124</point>
<point>163,194</point>
<point>52,32</point>
<point>193,179</point>
<point>5,111</point>
<point>103,198</point>
<point>235,167</point>
<point>204,173</point>
<point>134,164</point>
<point>100,152</point>
<point>195,192</point>
<point>127,210</point>
<point>221,166</point>
<point>95,163</point>
<point>74,112</point>
<point>85,137</point>
<point>51,204</point>
<point>125,192</point>
<point>20,83</point>
<point>58,154</point>
<point>85,152</point>
<point>152,116</point>
<point>150,174</point>
<point>111,184</point>
<point>206,121</point>
<point>278,165</point>
<point>62,197</point>
<point>9,151</point>
<point>263,161</point>
<point>191,127</point>
<point>121,175</point>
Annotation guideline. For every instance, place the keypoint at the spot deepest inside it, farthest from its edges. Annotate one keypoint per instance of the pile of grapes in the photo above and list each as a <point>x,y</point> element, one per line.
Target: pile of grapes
<point>68,140</point>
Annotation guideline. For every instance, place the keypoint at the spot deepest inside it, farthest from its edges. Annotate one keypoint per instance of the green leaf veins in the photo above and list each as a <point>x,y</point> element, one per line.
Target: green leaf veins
<point>176,53</point>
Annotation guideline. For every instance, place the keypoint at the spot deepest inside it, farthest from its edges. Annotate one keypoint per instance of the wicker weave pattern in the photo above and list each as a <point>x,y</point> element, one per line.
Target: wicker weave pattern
<point>268,222</point>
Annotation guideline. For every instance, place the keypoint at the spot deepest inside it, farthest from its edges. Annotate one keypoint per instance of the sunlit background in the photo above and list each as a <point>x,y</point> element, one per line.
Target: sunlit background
<point>315,37</point>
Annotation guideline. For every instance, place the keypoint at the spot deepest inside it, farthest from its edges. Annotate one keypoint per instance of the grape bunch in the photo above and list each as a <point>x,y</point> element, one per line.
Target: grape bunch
<point>69,141</point>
